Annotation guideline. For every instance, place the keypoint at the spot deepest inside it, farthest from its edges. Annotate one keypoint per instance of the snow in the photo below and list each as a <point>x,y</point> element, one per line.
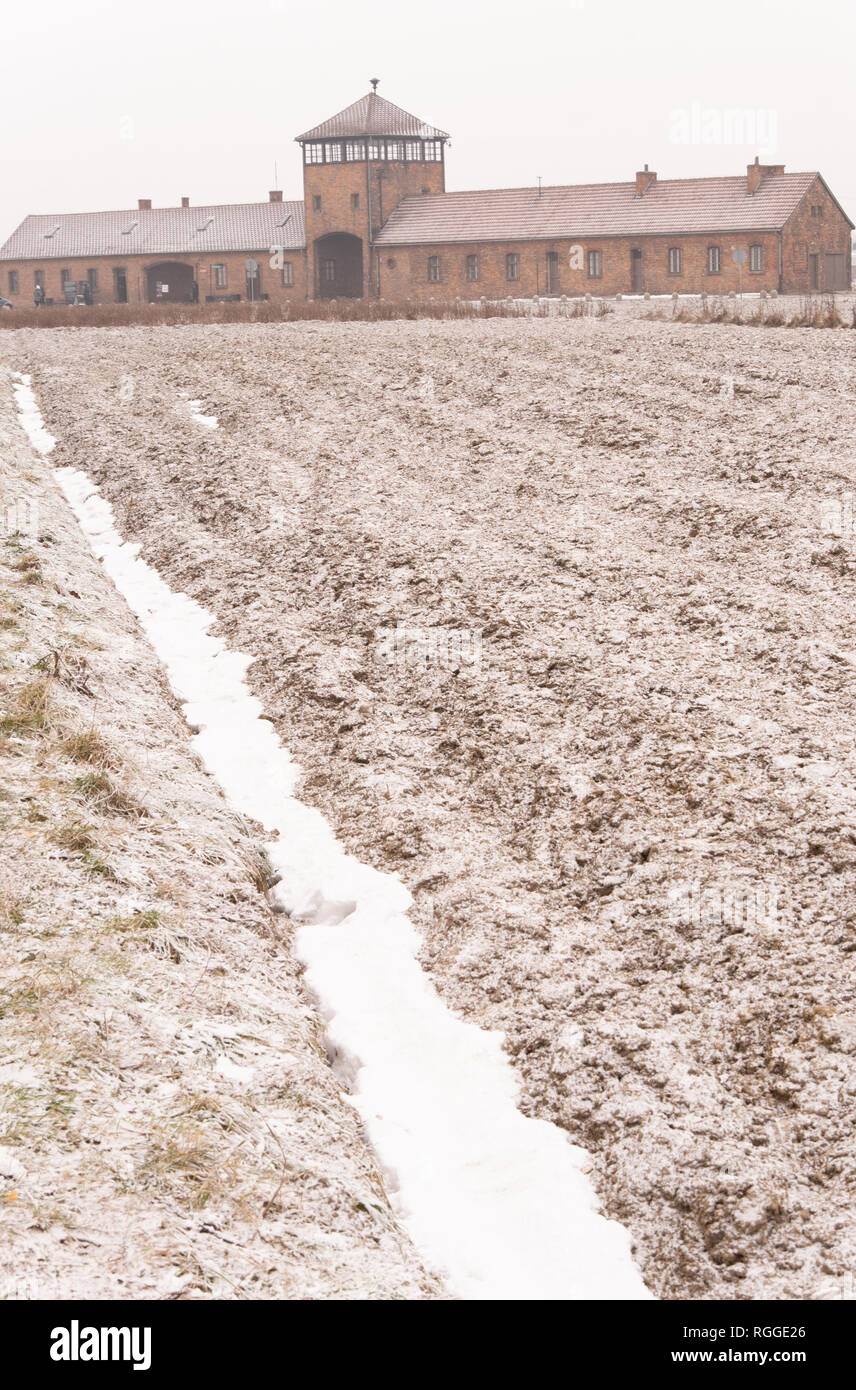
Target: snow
<point>209,421</point>
<point>497,1202</point>
<point>30,416</point>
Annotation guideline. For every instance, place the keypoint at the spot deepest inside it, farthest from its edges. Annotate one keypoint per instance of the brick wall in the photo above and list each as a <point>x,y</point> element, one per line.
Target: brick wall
<point>378,195</point>
<point>135,268</point>
<point>404,270</point>
<point>806,235</point>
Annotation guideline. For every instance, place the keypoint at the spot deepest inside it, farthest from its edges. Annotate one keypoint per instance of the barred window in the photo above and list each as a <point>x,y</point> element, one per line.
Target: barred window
<point>472,267</point>
<point>434,269</point>
<point>314,152</point>
<point>355,150</point>
<point>288,272</point>
<point>714,260</point>
<point>413,149</point>
<point>13,282</point>
<point>512,266</point>
<point>594,265</point>
<point>219,274</point>
<point>675,260</point>
<point>334,153</point>
<point>433,150</point>
<point>756,258</point>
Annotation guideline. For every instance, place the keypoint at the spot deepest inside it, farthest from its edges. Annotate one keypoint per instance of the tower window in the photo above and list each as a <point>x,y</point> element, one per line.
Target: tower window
<point>316,202</point>
<point>434,150</point>
<point>434,270</point>
<point>512,266</point>
<point>675,260</point>
<point>472,267</point>
<point>314,153</point>
<point>355,202</point>
<point>595,265</point>
<point>334,154</point>
<point>413,149</point>
<point>13,282</point>
<point>288,273</point>
<point>375,149</point>
<point>355,150</point>
<point>714,260</point>
<point>395,149</point>
<point>756,258</point>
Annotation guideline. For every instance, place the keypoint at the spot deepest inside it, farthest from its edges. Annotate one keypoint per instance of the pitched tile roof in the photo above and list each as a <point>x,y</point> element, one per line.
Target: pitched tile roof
<point>605,209</point>
<point>158,232</point>
<point>373,115</point>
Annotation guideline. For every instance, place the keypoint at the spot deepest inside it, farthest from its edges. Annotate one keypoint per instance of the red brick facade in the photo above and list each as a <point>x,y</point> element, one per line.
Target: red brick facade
<point>372,175</point>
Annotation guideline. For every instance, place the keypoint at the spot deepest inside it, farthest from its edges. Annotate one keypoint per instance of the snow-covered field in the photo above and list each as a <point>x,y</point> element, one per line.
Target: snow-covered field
<point>556,619</point>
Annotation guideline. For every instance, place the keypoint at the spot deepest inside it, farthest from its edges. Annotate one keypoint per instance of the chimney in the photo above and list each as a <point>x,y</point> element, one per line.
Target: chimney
<point>644,180</point>
<point>185,202</point>
<point>756,172</point>
<point>275,195</point>
<point>144,204</point>
<point>754,175</point>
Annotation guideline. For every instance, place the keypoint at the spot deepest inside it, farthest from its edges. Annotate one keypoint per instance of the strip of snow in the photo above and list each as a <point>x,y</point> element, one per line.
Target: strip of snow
<point>209,421</point>
<point>495,1201</point>
<point>29,414</point>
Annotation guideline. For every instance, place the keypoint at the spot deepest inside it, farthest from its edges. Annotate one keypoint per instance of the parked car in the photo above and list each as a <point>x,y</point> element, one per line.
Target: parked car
<point>6,303</point>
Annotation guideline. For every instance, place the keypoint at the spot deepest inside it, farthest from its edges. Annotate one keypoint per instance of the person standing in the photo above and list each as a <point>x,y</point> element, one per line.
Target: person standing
<point>38,296</point>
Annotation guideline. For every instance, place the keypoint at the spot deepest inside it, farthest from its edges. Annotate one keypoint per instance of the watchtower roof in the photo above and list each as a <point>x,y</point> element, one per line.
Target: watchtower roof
<point>373,115</point>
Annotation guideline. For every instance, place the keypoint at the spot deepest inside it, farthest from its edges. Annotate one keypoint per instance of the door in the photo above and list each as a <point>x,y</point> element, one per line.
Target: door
<point>812,272</point>
<point>835,271</point>
<point>121,287</point>
<point>636,271</point>
<point>552,272</point>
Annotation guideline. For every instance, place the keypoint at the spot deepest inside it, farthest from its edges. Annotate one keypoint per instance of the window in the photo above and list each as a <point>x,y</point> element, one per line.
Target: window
<point>65,276</point>
<point>512,266</point>
<point>595,265</point>
<point>355,150</point>
<point>413,149</point>
<point>395,149</point>
<point>375,149</point>
<point>434,150</point>
<point>219,274</point>
<point>314,153</point>
<point>675,260</point>
<point>254,283</point>
<point>92,277</point>
<point>288,272</point>
<point>13,282</point>
<point>334,153</point>
<point>355,202</point>
<point>316,203</point>
<point>714,260</point>
<point>39,278</point>
<point>472,267</point>
<point>756,258</point>
<point>328,271</point>
<point>434,269</point>
<point>816,210</point>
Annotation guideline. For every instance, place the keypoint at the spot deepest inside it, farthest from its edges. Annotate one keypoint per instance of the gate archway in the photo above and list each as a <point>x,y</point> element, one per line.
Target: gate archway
<point>339,266</point>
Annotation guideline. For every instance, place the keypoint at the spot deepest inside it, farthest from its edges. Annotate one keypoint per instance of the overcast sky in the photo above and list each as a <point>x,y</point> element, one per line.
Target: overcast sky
<point>102,103</point>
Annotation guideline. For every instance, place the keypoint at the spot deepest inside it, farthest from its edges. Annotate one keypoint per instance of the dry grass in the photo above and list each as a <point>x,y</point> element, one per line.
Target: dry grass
<point>343,310</point>
<point>815,311</point>
<point>29,712</point>
<point>100,790</point>
<point>76,837</point>
<point>87,746</point>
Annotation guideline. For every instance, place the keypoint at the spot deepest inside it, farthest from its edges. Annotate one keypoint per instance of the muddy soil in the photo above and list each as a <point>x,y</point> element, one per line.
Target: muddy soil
<point>557,618</point>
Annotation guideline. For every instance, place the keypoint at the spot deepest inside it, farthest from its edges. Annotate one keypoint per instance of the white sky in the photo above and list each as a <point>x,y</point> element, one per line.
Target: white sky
<point>103,102</point>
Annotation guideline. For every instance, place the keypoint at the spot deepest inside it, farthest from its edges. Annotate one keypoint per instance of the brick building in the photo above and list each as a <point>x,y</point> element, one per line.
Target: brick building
<point>375,220</point>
